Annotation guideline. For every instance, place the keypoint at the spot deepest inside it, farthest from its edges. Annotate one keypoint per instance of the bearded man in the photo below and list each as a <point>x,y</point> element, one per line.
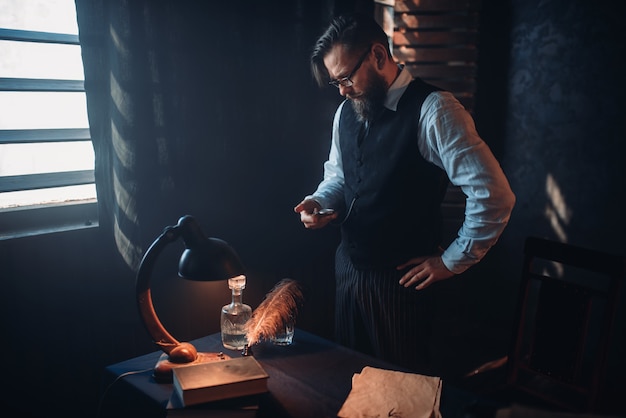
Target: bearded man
<point>396,144</point>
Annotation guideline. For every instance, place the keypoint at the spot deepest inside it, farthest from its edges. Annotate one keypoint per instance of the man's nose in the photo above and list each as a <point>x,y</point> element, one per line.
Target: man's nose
<point>343,90</point>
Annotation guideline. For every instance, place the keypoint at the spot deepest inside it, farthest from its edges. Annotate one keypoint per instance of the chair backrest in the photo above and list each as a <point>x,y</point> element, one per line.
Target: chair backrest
<point>564,323</point>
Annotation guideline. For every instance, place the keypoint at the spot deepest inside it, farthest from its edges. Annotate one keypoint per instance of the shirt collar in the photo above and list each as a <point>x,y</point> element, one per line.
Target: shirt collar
<point>397,88</point>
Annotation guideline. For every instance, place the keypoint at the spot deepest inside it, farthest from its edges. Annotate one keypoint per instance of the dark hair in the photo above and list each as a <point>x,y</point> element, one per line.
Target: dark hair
<point>354,32</point>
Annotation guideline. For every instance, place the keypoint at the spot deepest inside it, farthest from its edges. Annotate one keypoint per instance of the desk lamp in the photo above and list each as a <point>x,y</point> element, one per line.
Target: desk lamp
<point>204,259</point>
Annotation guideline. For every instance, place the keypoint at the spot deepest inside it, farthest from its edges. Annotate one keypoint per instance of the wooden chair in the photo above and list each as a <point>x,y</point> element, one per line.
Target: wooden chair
<point>564,324</point>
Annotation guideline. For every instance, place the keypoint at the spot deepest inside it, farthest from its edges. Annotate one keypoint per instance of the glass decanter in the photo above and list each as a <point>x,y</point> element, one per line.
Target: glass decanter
<point>235,315</point>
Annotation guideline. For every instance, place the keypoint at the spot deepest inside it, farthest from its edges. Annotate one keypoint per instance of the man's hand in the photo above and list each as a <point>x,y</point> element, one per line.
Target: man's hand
<point>425,271</point>
<point>308,210</point>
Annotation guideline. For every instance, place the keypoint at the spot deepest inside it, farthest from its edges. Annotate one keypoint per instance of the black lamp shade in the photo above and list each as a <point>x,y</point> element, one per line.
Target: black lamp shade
<point>205,259</point>
<point>209,260</point>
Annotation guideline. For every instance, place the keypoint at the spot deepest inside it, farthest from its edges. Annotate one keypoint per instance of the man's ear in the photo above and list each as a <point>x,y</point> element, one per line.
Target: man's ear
<point>380,54</point>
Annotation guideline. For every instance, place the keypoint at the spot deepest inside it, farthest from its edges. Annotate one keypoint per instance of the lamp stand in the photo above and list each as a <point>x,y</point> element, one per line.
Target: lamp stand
<point>175,353</point>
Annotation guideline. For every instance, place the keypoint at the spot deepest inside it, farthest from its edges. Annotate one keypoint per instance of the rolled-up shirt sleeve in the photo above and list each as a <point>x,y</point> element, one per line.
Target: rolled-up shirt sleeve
<point>448,138</point>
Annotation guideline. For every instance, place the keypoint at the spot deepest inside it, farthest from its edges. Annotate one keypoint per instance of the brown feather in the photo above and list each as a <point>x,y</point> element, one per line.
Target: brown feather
<point>279,306</point>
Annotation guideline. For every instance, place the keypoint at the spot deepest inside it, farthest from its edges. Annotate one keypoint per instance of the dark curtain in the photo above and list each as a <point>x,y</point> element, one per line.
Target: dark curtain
<point>133,70</point>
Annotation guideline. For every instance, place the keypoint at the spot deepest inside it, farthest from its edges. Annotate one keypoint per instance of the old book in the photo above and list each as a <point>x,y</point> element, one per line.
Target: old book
<point>242,407</point>
<point>213,381</point>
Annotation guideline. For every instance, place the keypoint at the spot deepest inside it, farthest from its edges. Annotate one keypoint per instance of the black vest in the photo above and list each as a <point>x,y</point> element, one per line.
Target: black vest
<point>394,192</point>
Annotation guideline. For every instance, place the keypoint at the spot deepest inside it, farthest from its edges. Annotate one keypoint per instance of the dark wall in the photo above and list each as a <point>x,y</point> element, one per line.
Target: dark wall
<point>549,104</point>
<point>551,84</point>
<point>555,91</point>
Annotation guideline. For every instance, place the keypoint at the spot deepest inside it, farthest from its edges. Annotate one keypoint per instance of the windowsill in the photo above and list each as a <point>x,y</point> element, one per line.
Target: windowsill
<point>45,219</point>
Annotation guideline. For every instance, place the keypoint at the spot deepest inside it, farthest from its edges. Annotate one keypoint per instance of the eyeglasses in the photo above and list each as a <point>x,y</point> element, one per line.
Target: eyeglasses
<point>347,80</point>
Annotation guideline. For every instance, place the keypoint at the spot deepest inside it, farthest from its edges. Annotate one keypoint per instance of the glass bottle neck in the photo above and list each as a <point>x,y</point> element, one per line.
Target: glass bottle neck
<point>237,296</point>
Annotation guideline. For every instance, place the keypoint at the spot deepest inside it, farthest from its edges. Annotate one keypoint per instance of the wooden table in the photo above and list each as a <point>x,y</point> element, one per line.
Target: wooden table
<point>310,378</point>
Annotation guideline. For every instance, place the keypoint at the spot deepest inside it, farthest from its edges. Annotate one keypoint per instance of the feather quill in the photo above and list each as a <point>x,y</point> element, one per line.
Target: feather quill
<point>280,305</point>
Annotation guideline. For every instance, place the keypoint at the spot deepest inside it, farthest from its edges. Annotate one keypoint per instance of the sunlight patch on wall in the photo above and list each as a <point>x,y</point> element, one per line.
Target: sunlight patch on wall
<point>557,212</point>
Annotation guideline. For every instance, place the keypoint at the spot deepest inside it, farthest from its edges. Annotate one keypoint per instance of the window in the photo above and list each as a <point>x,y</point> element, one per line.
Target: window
<point>46,155</point>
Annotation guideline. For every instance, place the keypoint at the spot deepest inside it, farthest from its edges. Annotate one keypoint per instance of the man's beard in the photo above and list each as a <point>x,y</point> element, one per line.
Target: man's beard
<point>369,105</point>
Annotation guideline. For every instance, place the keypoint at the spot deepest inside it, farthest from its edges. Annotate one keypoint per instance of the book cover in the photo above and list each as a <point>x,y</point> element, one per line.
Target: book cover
<point>213,381</point>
